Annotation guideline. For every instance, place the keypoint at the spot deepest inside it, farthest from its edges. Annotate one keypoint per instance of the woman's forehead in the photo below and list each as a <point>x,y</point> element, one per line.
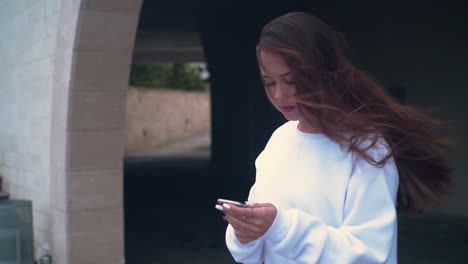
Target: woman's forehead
<point>272,65</point>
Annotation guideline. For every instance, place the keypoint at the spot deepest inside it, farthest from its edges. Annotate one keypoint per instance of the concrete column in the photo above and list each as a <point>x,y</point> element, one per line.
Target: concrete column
<point>94,50</point>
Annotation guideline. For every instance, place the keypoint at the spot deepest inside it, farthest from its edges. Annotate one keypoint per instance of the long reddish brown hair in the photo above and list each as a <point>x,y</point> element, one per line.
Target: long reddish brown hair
<point>349,106</point>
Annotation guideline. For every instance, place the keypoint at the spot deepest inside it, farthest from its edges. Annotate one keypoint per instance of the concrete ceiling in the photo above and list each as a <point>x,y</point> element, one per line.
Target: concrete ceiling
<point>165,46</point>
<point>169,31</point>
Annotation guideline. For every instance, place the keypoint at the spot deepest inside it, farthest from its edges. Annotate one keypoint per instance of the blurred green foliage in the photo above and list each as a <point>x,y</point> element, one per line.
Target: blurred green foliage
<point>166,76</point>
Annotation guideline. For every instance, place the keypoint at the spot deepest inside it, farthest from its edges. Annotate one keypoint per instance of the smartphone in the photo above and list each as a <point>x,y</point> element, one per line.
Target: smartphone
<point>223,201</point>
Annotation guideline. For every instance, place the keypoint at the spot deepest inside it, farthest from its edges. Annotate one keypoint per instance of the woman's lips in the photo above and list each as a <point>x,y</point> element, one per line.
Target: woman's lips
<point>287,109</point>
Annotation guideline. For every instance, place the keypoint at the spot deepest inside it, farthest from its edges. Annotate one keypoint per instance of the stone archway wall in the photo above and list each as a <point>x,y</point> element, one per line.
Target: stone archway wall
<point>94,48</point>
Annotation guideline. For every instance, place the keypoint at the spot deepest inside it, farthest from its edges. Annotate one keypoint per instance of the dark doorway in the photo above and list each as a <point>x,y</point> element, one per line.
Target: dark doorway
<point>169,203</point>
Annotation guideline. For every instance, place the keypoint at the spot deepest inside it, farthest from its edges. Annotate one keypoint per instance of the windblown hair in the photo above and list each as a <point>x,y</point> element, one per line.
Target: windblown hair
<point>349,107</point>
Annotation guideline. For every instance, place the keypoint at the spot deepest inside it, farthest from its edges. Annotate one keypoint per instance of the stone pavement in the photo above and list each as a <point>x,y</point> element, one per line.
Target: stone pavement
<point>196,236</point>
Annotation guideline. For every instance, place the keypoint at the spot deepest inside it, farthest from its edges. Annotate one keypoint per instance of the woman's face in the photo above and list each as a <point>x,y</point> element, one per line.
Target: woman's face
<point>279,84</point>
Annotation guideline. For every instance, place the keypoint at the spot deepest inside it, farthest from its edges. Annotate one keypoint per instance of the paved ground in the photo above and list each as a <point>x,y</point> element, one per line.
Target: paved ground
<point>168,220</point>
<point>196,235</point>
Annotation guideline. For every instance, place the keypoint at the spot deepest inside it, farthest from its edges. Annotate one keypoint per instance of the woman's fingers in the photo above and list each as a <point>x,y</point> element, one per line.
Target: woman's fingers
<point>238,218</point>
<point>253,220</point>
<point>262,205</point>
<point>238,212</point>
<point>236,223</point>
<point>245,225</point>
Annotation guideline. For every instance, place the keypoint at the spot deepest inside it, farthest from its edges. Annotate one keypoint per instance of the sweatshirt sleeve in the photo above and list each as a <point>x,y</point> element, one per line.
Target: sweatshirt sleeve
<point>366,233</point>
<point>250,253</point>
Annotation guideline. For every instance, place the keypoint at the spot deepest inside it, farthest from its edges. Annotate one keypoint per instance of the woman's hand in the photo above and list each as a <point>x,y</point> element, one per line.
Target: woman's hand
<point>250,222</point>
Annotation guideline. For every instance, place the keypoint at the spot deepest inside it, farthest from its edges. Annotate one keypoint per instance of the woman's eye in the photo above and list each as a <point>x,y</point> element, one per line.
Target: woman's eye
<point>269,84</point>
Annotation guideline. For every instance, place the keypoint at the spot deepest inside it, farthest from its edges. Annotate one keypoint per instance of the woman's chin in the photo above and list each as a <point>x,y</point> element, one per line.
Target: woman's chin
<point>291,117</point>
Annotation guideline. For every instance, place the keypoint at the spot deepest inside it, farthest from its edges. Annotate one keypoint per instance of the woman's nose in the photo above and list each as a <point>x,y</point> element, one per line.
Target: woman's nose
<point>281,92</point>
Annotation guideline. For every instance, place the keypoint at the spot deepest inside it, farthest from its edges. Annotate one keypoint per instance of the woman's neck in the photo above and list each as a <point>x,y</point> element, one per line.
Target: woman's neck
<point>306,127</point>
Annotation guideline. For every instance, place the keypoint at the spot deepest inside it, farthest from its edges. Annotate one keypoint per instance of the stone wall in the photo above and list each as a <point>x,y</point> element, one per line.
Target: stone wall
<point>28,32</point>
<point>94,48</point>
<point>63,81</point>
<point>156,116</point>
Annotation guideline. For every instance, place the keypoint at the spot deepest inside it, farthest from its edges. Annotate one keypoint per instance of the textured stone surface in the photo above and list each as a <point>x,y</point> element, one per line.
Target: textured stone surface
<point>106,32</point>
<point>156,117</point>
<point>121,6</point>
<point>97,110</point>
<point>95,190</point>
<point>28,33</point>
<point>97,236</point>
<point>101,71</point>
<point>95,150</point>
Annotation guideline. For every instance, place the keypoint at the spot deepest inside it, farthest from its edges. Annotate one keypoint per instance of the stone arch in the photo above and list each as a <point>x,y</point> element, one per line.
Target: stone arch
<point>93,56</point>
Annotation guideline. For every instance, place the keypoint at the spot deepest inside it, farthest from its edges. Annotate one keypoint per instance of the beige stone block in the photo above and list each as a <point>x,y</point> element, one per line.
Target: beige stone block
<point>97,224</point>
<point>97,236</point>
<point>122,6</point>
<point>96,150</point>
<point>91,190</point>
<point>97,110</point>
<point>58,260</point>
<point>98,252</point>
<point>147,122</point>
<point>103,31</point>
<point>101,70</point>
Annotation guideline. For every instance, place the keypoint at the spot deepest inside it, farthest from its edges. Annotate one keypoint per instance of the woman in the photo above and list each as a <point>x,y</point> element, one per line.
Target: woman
<point>330,180</point>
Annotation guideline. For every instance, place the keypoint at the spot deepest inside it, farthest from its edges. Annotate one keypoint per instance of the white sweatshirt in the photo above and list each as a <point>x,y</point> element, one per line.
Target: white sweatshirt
<point>333,207</point>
